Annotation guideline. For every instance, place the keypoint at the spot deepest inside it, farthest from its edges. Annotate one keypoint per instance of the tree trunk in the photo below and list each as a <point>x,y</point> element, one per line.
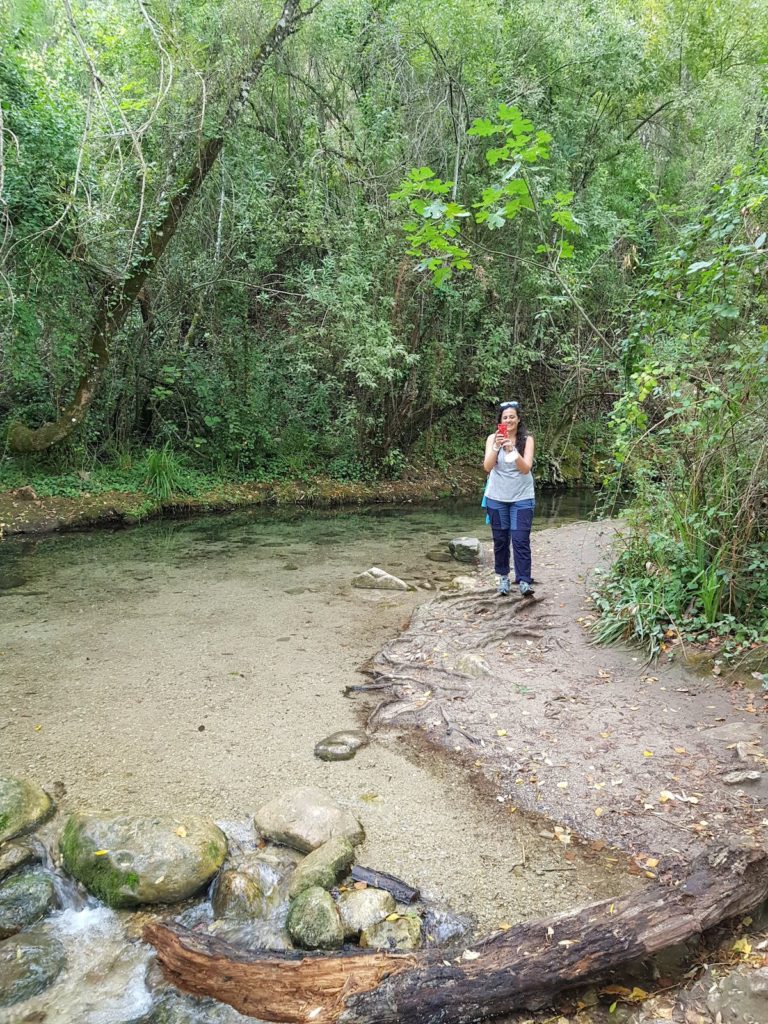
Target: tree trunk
<point>523,967</point>
<point>118,296</point>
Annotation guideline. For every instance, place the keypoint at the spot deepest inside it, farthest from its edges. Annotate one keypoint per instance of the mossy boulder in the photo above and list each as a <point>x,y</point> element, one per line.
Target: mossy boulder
<point>129,860</point>
<point>361,908</point>
<point>29,963</point>
<point>23,805</point>
<point>305,818</point>
<point>314,922</point>
<point>24,899</point>
<point>323,867</point>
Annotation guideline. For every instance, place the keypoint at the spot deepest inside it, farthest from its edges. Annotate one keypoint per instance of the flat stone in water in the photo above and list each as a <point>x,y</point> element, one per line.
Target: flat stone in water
<point>23,805</point>
<point>465,549</point>
<point>29,963</point>
<point>24,899</point>
<point>341,745</point>
<point>377,579</point>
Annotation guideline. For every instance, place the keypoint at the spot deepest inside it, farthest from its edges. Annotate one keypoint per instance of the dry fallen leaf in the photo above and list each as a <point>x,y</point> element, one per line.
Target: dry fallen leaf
<point>181,831</point>
<point>652,862</point>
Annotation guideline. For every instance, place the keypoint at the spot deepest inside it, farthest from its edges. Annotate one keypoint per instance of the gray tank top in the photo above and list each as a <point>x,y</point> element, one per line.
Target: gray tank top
<point>507,483</point>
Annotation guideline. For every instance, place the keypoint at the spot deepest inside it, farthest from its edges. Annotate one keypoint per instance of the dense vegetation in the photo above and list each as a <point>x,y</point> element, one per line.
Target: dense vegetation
<point>301,321</point>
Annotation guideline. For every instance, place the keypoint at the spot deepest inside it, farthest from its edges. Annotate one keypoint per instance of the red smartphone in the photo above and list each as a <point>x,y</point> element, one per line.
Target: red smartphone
<point>502,429</point>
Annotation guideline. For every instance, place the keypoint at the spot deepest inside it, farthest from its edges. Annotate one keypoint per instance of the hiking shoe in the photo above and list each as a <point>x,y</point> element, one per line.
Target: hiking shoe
<point>526,589</point>
<point>503,588</point>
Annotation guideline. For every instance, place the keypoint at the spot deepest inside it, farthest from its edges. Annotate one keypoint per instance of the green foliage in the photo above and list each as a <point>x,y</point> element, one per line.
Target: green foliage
<point>691,430</point>
<point>283,334</point>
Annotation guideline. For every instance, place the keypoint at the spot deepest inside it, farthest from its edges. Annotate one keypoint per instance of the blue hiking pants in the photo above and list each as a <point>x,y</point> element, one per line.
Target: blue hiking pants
<point>511,523</point>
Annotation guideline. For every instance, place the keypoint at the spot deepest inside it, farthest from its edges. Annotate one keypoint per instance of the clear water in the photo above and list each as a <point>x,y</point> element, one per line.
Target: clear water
<point>46,581</point>
<point>29,565</point>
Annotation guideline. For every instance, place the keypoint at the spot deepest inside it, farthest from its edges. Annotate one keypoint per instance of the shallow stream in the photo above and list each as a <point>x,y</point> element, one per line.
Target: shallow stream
<point>193,665</point>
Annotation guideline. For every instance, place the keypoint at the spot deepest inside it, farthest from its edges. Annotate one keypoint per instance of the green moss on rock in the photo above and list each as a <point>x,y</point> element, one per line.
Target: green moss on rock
<point>112,886</point>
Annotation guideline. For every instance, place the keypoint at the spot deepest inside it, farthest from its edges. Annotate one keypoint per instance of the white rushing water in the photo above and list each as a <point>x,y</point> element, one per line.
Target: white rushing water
<point>104,980</point>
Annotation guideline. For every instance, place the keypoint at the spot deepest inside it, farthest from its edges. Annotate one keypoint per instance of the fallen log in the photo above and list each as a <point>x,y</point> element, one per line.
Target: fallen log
<point>523,967</point>
<point>402,892</point>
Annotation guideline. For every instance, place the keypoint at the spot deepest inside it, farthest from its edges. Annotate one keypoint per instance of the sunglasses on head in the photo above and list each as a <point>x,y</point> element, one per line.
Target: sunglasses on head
<point>509,405</point>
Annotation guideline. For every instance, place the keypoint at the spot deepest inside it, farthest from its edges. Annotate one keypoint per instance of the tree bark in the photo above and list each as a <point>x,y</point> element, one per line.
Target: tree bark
<point>118,295</point>
<point>523,967</point>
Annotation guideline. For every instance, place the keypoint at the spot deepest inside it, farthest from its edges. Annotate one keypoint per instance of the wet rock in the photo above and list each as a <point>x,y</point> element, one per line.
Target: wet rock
<point>15,855</point>
<point>24,899</point>
<point>314,922</point>
<point>734,778</point>
<point>404,933</point>
<point>323,867</point>
<point>439,555</point>
<point>29,963</point>
<point>377,579</point>
<point>361,908</point>
<point>237,896</point>
<point>741,997</point>
<point>341,745</point>
<point>442,928</point>
<point>305,818</point>
<point>465,549</point>
<point>23,805</point>
<point>130,860</point>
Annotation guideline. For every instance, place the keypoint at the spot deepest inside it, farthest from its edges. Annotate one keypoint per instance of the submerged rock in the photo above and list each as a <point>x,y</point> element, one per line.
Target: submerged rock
<point>404,933</point>
<point>23,805</point>
<point>305,818</point>
<point>237,896</point>
<point>24,899</point>
<point>341,745</point>
<point>323,867</point>
<point>377,579</point>
<point>361,908</point>
<point>465,549</point>
<point>29,963</point>
<point>128,860</point>
<point>314,922</point>
<point>15,855</point>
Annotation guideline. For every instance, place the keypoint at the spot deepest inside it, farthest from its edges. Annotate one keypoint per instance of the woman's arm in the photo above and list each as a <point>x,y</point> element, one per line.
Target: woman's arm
<point>491,451</point>
<point>524,462</point>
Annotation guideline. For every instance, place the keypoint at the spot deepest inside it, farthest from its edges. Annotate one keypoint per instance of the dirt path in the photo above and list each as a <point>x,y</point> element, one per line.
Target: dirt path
<point>607,747</point>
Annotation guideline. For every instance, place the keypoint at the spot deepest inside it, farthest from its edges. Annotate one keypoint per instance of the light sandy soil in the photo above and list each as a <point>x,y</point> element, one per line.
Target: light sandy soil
<point>193,668</point>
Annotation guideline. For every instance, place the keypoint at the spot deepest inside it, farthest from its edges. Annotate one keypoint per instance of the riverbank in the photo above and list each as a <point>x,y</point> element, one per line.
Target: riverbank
<point>26,510</point>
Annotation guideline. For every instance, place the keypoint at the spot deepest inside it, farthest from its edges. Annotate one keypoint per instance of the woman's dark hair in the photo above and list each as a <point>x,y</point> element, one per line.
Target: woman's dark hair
<point>522,433</point>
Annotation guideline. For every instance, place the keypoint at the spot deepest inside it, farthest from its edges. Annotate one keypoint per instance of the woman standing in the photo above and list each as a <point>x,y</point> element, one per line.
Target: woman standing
<point>509,496</point>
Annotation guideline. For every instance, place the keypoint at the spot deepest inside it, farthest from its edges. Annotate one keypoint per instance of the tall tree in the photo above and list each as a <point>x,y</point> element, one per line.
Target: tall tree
<point>120,291</point>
